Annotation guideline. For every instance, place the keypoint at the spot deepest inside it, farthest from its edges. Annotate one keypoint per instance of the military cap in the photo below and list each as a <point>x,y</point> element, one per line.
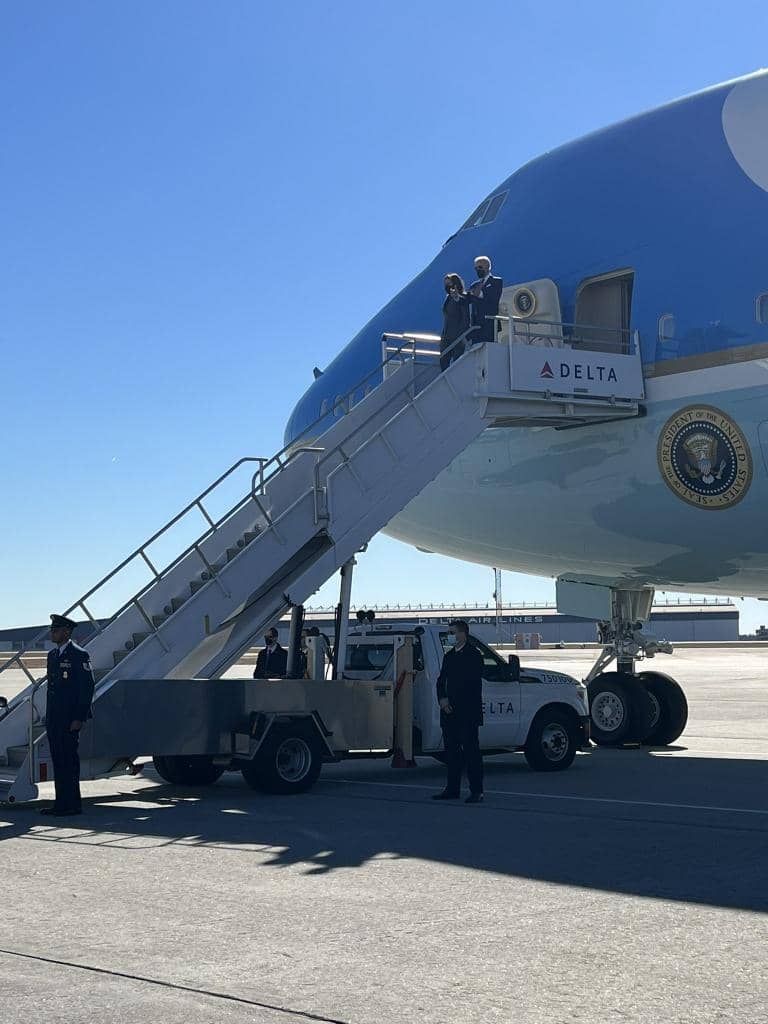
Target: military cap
<point>61,621</point>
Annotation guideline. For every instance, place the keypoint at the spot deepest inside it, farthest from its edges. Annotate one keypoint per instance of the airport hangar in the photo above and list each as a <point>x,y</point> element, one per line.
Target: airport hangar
<point>713,621</point>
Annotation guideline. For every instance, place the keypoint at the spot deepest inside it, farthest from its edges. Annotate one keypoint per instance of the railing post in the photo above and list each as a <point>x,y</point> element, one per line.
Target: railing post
<point>203,509</point>
<point>90,618</point>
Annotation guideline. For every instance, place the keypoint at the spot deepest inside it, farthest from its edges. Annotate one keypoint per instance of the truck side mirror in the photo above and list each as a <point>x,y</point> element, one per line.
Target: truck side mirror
<point>514,668</point>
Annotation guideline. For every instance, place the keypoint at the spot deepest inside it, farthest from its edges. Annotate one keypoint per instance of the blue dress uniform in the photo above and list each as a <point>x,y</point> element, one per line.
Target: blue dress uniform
<point>69,695</point>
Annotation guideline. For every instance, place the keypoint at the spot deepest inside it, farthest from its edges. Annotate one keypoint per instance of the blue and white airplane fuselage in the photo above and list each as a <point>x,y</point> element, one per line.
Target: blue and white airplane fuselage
<point>658,225</point>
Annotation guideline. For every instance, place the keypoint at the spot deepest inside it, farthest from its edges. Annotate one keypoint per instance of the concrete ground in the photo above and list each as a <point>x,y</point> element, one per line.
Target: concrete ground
<point>631,888</point>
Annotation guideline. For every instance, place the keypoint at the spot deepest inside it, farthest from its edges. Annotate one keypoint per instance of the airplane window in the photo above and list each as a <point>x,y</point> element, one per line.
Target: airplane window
<point>486,212</point>
<point>338,406</point>
<point>493,207</point>
<point>324,407</point>
<point>477,216</point>
<point>761,308</point>
<point>667,327</point>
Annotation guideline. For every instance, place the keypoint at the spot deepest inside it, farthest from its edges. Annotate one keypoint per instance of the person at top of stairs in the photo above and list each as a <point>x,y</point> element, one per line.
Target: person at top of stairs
<point>68,707</point>
<point>272,662</point>
<point>484,296</point>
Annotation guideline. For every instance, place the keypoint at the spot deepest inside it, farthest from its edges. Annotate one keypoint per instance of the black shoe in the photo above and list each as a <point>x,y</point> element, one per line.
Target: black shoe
<point>445,795</point>
<point>70,813</point>
<point>474,798</point>
<point>59,812</point>
<point>50,810</point>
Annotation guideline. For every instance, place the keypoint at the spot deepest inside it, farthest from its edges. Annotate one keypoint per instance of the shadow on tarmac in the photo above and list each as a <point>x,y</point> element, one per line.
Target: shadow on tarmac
<point>688,829</point>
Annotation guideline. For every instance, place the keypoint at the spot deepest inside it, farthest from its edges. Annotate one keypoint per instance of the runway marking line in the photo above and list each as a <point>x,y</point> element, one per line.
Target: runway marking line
<point>558,796</point>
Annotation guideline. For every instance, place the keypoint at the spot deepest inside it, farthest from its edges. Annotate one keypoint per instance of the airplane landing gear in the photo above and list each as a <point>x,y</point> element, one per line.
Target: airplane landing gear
<point>627,707</point>
<point>669,709</point>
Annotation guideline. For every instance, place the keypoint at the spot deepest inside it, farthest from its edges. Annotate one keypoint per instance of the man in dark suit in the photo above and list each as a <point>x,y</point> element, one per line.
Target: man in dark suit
<point>69,693</point>
<point>460,695</point>
<point>484,296</point>
<point>272,662</point>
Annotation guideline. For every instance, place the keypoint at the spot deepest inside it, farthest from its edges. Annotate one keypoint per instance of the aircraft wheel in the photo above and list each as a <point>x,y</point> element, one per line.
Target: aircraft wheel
<point>195,770</point>
<point>669,708</point>
<point>620,709</point>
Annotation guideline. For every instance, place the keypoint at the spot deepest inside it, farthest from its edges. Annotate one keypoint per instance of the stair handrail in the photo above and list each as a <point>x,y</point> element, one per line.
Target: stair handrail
<point>276,463</point>
<point>618,339</point>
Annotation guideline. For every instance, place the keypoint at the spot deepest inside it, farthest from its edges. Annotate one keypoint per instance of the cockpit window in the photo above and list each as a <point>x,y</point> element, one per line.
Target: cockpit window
<point>493,208</point>
<point>477,217</point>
<point>486,212</point>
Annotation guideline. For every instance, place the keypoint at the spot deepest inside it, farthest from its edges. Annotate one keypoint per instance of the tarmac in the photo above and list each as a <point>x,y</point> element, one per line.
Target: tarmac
<point>632,887</point>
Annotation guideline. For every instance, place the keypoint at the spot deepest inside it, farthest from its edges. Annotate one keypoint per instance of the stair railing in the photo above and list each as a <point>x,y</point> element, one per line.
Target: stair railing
<point>267,468</point>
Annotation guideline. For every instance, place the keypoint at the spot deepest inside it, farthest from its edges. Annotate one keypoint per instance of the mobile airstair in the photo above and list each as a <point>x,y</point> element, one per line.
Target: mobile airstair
<point>309,509</point>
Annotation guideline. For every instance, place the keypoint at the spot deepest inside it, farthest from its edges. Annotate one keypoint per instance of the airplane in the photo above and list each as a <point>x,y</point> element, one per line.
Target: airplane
<point>651,230</point>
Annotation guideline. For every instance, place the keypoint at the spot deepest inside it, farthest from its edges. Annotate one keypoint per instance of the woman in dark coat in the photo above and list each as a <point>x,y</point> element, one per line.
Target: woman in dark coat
<point>455,318</point>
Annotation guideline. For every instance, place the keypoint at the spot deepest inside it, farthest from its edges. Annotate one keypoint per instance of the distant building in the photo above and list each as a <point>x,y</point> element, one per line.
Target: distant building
<point>713,621</point>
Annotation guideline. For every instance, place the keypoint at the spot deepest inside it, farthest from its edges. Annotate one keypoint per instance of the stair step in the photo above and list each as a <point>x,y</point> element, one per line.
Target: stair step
<point>176,603</point>
<point>17,755</point>
<point>99,673</point>
<point>135,640</point>
<point>196,585</point>
<point>117,656</point>
<point>231,553</point>
<point>158,620</point>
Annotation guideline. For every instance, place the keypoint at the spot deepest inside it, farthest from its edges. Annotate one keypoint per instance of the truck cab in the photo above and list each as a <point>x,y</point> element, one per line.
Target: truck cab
<point>543,713</point>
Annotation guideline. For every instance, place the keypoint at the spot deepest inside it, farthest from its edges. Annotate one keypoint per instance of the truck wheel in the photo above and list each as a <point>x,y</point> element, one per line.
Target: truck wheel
<point>552,741</point>
<point>620,708</point>
<point>289,761</point>
<point>195,770</point>
<point>669,708</point>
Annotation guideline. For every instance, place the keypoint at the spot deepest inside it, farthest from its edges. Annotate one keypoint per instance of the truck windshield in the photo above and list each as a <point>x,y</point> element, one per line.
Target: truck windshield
<point>496,669</point>
<point>368,657</point>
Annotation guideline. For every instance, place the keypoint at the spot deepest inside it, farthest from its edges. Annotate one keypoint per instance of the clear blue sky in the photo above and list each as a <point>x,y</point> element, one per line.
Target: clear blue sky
<point>202,200</point>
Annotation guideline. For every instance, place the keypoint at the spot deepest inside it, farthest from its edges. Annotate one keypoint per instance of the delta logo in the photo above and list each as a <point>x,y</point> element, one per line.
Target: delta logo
<point>579,371</point>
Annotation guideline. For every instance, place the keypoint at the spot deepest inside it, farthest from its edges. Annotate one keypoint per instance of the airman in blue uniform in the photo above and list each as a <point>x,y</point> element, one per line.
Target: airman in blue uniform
<point>68,707</point>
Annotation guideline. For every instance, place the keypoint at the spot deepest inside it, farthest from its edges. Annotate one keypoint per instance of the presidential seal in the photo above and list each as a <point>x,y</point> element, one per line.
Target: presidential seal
<point>704,457</point>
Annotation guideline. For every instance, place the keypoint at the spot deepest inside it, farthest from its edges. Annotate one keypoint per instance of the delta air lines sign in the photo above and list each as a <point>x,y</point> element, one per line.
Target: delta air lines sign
<point>567,372</point>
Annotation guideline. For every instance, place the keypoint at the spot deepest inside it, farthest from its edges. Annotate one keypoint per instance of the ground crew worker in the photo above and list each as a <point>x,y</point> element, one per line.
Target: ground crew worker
<point>460,695</point>
<point>68,706</point>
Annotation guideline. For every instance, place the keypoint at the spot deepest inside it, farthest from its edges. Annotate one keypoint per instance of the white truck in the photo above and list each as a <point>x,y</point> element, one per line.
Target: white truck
<point>545,714</point>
